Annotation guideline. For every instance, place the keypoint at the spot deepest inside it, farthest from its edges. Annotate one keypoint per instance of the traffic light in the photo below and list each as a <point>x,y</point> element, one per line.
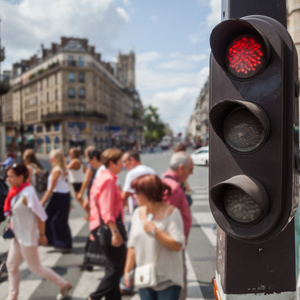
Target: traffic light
<point>253,134</point>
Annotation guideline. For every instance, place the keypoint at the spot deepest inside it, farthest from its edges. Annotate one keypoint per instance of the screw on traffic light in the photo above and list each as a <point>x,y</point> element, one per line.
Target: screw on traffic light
<point>253,116</point>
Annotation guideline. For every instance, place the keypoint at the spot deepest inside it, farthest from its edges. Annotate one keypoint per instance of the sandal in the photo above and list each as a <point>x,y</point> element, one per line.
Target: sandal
<point>64,291</point>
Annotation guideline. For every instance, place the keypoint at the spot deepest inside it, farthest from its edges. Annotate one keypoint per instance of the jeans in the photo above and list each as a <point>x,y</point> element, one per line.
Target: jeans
<point>170,293</point>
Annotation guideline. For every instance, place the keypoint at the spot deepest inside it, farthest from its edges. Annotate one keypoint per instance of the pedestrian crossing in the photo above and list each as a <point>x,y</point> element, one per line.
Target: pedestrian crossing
<point>88,281</point>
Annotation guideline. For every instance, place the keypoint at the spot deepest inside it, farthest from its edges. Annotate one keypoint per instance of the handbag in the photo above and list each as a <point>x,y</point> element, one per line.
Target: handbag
<point>8,233</point>
<point>145,276</point>
<point>94,254</point>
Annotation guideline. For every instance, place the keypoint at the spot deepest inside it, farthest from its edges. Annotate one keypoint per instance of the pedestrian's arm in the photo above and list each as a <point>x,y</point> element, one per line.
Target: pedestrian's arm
<point>125,196</point>
<point>55,176</point>
<point>162,237</point>
<point>42,238</point>
<point>129,265</point>
<point>87,179</point>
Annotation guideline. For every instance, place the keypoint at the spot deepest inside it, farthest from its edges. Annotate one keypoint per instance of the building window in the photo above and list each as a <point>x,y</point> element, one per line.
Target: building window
<point>48,128</point>
<point>72,106</point>
<point>71,61</point>
<point>71,93</point>
<point>56,94</point>
<point>39,129</point>
<point>82,107</point>
<point>81,92</point>
<point>81,77</point>
<point>80,61</point>
<point>56,127</point>
<point>71,77</point>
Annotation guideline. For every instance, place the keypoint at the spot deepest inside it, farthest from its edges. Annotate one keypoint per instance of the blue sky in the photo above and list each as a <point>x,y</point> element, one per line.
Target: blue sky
<point>170,39</point>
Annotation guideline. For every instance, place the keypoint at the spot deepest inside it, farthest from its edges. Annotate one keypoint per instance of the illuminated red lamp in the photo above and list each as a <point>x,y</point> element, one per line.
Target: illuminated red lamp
<point>245,56</point>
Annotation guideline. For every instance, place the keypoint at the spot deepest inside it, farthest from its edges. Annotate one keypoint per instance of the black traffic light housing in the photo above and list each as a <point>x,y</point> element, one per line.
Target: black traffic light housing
<point>254,116</point>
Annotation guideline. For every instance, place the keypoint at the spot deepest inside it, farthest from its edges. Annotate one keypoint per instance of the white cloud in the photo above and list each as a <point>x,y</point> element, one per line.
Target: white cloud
<point>31,22</point>
<point>197,58</point>
<point>123,14</point>
<point>194,38</point>
<point>176,65</point>
<point>154,18</point>
<point>215,15</point>
<point>144,59</point>
<point>127,2</point>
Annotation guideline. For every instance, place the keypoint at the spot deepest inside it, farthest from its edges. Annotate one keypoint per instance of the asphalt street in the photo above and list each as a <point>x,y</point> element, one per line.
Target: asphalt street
<point>200,250</point>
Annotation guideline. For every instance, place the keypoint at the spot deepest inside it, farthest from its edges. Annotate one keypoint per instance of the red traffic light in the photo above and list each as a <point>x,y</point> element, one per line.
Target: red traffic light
<point>245,56</point>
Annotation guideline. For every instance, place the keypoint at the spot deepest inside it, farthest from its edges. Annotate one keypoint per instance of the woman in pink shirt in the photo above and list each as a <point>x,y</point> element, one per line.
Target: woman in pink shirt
<point>106,203</point>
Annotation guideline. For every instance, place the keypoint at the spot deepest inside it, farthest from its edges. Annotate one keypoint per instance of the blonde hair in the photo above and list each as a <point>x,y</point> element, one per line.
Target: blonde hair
<point>59,160</point>
<point>110,155</point>
<point>88,149</point>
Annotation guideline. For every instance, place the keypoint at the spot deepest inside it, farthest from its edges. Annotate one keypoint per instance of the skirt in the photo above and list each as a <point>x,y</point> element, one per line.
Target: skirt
<point>57,228</point>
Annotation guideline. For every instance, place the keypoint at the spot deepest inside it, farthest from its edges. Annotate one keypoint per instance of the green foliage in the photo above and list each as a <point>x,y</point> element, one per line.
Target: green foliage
<point>155,129</point>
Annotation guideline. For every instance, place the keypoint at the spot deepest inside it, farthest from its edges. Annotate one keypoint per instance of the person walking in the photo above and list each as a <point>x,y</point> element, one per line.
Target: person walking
<point>157,238</point>
<point>94,160</point>
<point>181,166</point>
<point>106,208</point>
<point>27,220</point>
<point>87,182</point>
<point>57,228</point>
<point>76,170</point>
<point>132,162</point>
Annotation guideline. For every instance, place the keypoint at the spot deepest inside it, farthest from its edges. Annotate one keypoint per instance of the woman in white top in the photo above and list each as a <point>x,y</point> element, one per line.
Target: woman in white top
<point>57,228</point>
<point>76,170</point>
<point>156,236</point>
<point>27,221</point>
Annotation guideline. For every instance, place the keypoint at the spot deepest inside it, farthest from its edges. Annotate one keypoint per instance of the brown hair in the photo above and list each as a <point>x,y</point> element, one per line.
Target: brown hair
<point>87,149</point>
<point>30,158</point>
<point>151,186</point>
<point>134,154</point>
<point>19,169</point>
<point>110,155</point>
<point>76,152</point>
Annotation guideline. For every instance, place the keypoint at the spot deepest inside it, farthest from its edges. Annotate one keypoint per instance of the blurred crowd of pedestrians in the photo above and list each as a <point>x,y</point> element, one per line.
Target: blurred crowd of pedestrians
<point>148,255</point>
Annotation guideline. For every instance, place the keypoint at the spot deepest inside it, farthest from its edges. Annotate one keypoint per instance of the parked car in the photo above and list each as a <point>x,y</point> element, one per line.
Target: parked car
<point>200,156</point>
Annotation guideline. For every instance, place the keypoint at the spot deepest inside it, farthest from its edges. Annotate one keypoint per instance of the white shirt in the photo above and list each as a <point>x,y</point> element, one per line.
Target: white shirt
<point>76,176</point>
<point>131,175</point>
<point>62,184</point>
<point>24,217</point>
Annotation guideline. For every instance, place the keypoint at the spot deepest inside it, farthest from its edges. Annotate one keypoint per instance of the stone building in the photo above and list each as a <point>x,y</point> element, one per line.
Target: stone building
<point>70,97</point>
<point>197,130</point>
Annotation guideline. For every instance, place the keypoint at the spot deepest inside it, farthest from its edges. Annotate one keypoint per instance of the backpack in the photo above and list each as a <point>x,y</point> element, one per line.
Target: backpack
<point>41,178</point>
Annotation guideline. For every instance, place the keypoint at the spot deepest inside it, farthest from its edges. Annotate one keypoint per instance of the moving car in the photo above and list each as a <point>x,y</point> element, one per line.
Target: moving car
<point>200,156</point>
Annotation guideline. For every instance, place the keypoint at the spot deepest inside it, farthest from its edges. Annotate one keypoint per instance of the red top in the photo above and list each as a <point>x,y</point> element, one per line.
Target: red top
<point>105,193</point>
<point>178,199</point>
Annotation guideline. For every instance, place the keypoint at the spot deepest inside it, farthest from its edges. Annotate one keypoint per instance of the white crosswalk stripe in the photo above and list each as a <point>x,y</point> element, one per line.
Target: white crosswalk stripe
<point>89,280</point>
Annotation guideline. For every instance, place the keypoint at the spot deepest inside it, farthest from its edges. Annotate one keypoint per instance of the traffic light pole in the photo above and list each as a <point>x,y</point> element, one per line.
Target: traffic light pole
<point>254,179</point>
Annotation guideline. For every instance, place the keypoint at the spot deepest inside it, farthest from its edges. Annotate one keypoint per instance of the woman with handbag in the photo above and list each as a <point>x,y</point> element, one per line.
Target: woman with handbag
<point>27,220</point>
<point>106,218</point>
<point>58,192</point>
<point>155,242</point>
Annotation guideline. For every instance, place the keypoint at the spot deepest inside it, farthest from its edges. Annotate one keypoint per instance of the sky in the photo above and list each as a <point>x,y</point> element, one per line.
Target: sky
<point>170,39</point>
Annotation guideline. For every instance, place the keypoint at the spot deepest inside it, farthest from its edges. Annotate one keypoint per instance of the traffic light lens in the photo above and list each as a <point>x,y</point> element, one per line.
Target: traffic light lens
<point>245,56</point>
<point>240,207</point>
<point>242,131</point>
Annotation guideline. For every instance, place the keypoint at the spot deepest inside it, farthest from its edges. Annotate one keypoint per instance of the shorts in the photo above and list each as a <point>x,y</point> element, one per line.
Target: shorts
<point>77,186</point>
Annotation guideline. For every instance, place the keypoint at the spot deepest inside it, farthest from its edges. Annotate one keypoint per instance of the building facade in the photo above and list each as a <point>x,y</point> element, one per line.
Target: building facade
<point>198,127</point>
<point>70,97</point>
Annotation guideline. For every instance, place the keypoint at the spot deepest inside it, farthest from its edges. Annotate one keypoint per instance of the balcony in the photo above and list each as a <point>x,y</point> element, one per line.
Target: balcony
<point>58,116</point>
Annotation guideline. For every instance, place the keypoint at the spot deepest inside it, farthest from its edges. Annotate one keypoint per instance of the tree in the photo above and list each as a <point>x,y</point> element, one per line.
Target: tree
<point>155,128</point>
